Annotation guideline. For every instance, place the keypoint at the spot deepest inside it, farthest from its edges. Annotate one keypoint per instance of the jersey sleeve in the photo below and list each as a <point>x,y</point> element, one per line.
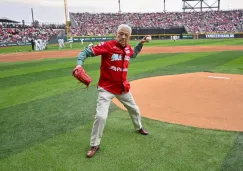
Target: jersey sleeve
<point>137,49</point>
<point>83,55</point>
<point>100,49</point>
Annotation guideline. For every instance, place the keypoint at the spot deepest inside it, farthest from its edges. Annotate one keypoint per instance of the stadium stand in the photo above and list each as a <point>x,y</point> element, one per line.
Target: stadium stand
<point>103,24</point>
<point>88,24</point>
<point>18,33</point>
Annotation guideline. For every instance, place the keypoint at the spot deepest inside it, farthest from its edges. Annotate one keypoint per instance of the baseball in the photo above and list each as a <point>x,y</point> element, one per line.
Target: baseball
<point>148,38</point>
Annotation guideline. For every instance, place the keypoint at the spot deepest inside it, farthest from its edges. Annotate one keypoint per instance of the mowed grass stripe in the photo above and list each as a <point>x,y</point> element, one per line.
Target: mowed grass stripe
<point>25,64</point>
<point>205,63</point>
<point>35,64</point>
<point>234,67</point>
<point>222,42</point>
<point>16,69</point>
<point>22,68</point>
<point>34,77</point>
<point>48,73</point>
<point>234,159</point>
<point>90,63</point>
<point>25,125</point>
<point>28,92</point>
<point>36,90</point>
<point>237,41</point>
<point>14,49</point>
<point>149,65</point>
<point>12,69</point>
<point>34,70</point>
<point>168,147</point>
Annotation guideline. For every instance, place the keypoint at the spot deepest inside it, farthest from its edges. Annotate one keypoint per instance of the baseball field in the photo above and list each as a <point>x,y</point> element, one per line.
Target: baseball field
<point>193,110</point>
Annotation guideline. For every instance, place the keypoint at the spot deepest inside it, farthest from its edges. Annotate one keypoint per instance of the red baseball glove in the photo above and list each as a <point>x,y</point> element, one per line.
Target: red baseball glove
<point>80,74</point>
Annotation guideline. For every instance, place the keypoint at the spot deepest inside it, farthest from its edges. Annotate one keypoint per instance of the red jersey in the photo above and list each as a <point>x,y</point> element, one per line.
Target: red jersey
<point>114,66</point>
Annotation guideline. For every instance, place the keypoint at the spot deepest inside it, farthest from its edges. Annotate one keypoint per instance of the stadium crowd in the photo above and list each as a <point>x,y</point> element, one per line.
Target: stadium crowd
<point>88,24</point>
<point>194,22</point>
<point>13,33</point>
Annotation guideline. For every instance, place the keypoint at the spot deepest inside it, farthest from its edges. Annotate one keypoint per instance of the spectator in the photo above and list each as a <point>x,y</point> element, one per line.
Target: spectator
<point>201,22</point>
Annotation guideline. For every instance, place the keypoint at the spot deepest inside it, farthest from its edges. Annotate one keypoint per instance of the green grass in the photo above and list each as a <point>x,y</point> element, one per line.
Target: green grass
<point>46,120</point>
<point>188,42</point>
<point>235,66</point>
<point>169,147</point>
<point>234,160</point>
<point>46,117</point>
<point>15,49</point>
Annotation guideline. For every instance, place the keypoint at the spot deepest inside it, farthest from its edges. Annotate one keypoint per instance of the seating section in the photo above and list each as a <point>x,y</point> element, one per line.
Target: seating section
<point>194,22</point>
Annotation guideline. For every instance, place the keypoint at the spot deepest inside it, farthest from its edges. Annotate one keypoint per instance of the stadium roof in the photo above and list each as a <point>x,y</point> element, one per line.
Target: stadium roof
<point>7,20</point>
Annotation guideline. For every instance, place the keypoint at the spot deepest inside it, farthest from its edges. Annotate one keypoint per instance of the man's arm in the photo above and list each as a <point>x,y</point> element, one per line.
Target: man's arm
<point>87,52</point>
<point>100,49</point>
<point>137,49</point>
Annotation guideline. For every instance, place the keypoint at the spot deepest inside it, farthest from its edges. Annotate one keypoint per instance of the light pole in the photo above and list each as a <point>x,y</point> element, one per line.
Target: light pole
<point>66,18</point>
<point>119,2</point>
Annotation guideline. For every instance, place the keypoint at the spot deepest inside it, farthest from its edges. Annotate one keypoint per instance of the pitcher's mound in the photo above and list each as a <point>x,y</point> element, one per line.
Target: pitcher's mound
<point>205,100</point>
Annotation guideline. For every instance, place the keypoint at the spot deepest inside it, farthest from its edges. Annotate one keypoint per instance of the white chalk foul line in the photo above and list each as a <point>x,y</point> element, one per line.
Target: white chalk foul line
<point>217,77</point>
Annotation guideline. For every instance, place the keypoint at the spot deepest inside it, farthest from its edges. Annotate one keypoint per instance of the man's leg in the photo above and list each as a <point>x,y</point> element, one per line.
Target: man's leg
<point>103,103</point>
<point>127,100</point>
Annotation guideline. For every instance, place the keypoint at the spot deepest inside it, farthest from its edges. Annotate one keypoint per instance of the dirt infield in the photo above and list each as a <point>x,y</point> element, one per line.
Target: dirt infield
<point>27,56</point>
<point>205,100</point>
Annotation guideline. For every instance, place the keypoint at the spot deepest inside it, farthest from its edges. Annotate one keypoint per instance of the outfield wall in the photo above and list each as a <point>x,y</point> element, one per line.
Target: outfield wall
<point>138,37</point>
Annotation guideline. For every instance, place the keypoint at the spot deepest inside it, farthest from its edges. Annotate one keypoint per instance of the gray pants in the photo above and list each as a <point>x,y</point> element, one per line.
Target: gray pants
<point>103,103</point>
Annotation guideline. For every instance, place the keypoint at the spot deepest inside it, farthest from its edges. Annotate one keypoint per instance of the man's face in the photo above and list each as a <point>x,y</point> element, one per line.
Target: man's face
<point>123,36</point>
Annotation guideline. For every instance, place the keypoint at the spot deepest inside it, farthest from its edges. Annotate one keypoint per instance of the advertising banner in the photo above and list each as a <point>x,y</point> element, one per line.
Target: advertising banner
<point>219,36</point>
<point>187,37</point>
<point>92,39</point>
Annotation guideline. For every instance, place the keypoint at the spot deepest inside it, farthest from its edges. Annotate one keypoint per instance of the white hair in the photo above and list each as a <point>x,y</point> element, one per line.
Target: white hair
<point>124,26</point>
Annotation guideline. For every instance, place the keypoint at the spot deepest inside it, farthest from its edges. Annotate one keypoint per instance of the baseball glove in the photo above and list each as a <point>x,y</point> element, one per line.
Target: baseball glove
<point>80,74</point>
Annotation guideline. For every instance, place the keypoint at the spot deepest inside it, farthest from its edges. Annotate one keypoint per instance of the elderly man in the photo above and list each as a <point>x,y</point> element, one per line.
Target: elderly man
<point>113,81</point>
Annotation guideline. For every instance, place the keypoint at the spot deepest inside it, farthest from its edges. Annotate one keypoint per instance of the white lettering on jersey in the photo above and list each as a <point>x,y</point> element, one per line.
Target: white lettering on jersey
<point>118,69</point>
<point>116,57</point>
<point>127,58</point>
<point>127,51</point>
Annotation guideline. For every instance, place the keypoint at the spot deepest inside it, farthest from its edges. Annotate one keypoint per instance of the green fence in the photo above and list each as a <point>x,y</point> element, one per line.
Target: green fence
<point>14,44</point>
<point>137,37</point>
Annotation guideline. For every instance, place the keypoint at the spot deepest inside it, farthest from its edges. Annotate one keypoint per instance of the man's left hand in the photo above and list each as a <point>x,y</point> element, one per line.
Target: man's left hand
<point>145,39</point>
